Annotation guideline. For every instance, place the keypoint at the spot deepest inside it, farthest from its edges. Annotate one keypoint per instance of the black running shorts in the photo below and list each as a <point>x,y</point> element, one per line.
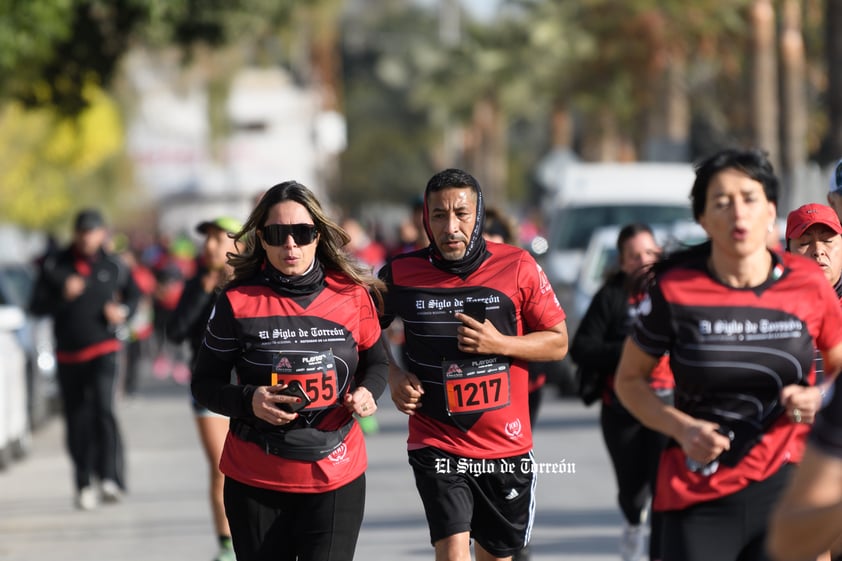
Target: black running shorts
<point>494,500</point>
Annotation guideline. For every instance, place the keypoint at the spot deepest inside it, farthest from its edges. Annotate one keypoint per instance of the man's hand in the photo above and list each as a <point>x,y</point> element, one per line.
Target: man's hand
<point>406,390</point>
<point>74,286</point>
<point>115,313</point>
<point>210,280</point>
<point>478,337</point>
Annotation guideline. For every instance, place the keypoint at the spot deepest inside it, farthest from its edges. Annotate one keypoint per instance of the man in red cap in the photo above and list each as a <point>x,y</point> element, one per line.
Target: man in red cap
<point>813,230</point>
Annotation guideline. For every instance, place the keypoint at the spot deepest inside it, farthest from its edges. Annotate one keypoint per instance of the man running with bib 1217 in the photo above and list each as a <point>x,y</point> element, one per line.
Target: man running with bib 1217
<point>474,313</point>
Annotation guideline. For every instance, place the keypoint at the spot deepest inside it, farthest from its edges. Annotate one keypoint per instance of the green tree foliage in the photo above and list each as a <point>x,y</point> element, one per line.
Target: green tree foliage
<point>61,134</point>
<point>52,48</point>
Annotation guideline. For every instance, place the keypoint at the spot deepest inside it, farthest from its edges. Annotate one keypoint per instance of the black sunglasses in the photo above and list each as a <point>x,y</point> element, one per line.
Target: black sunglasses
<point>277,234</point>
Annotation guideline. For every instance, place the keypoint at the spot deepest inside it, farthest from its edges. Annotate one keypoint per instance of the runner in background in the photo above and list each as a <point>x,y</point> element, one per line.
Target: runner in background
<point>140,344</point>
<point>371,254</point>
<point>634,449</point>
<point>188,323</point>
<point>90,294</point>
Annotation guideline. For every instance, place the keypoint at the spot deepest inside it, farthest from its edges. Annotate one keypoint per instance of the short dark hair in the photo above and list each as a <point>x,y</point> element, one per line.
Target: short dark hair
<point>752,162</point>
<point>452,177</point>
<point>88,219</point>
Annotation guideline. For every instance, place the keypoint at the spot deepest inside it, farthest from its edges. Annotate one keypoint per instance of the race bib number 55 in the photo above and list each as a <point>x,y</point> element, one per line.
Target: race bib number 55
<point>316,373</point>
<point>474,386</point>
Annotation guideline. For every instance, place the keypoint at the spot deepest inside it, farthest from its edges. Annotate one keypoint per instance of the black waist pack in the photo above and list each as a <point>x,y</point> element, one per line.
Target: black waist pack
<point>304,444</point>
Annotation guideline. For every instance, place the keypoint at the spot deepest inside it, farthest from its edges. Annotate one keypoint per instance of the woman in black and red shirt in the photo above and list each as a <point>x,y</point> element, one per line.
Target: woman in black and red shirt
<point>634,449</point>
<point>739,323</point>
<point>298,314</point>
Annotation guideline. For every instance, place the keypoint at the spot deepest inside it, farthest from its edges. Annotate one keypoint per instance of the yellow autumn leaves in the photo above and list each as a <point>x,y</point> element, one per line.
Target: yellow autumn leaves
<point>47,161</point>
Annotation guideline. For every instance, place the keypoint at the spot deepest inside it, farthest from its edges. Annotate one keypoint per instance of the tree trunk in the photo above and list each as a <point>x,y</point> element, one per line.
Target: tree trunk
<point>764,83</point>
<point>794,90</point>
<point>486,150</point>
<point>562,127</point>
<point>833,40</point>
<point>668,131</point>
<point>604,142</point>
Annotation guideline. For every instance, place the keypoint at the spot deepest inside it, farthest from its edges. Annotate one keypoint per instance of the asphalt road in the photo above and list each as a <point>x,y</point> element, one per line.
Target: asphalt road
<point>166,513</point>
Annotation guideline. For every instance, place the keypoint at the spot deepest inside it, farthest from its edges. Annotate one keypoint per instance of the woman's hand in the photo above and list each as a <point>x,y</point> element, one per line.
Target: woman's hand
<point>801,402</point>
<point>361,402</point>
<point>701,441</point>
<point>265,402</point>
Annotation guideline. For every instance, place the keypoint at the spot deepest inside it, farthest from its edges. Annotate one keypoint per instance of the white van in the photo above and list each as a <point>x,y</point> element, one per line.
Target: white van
<point>591,195</point>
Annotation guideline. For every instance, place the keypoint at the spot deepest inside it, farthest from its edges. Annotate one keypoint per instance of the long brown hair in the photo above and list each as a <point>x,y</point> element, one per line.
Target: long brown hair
<point>331,242</point>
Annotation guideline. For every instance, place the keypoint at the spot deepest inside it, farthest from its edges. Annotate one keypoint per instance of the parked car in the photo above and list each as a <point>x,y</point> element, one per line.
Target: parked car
<point>14,422</point>
<point>35,336</point>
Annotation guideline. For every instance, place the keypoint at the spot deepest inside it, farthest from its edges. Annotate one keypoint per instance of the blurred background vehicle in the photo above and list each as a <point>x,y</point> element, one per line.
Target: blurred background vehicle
<point>15,432</point>
<point>599,260</point>
<point>591,195</point>
<point>35,336</point>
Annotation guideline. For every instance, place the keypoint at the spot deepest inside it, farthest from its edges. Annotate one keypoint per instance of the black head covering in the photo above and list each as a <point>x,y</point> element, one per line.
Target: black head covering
<point>475,253</point>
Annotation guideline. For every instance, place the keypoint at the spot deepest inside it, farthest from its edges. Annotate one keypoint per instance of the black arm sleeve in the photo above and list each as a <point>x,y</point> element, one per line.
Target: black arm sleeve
<point>211,384</point>
<point>598,342</point>
<point>373,369</point>
<point>47,296</point>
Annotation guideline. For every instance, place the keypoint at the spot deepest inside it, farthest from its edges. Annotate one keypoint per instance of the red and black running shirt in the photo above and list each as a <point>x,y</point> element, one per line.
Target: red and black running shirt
<point>250,325</point>
<point>731,352</point>
<point>473,405</point>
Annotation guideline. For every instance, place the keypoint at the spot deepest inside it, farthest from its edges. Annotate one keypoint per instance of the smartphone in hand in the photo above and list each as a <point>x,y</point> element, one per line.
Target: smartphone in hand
<point>294,389</point>
<point>476,310</point>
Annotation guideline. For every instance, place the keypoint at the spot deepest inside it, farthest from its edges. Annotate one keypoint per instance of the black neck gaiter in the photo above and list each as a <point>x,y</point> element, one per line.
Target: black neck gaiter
<point>309,282</point>
<point>475,253</point>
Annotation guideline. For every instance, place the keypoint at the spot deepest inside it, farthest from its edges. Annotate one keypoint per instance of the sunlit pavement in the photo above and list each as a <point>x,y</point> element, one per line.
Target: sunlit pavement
<point>166,513</point>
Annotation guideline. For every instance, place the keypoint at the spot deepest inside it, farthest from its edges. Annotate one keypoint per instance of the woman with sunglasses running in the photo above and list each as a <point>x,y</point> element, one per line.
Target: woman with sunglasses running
<point>298,325</point>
